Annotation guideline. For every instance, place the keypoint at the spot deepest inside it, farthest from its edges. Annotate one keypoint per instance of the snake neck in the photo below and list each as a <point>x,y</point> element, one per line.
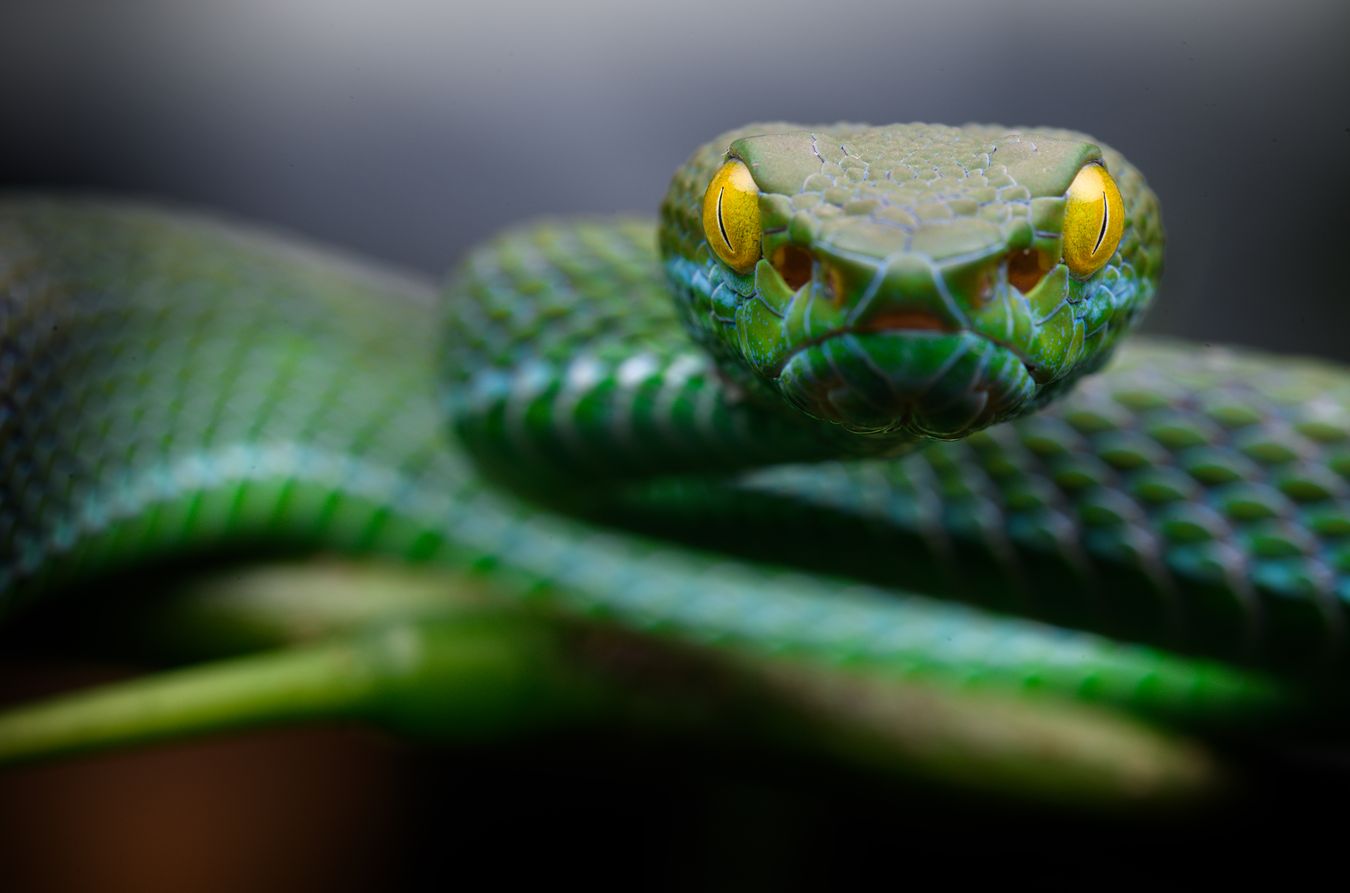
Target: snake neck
<point>566,361</point>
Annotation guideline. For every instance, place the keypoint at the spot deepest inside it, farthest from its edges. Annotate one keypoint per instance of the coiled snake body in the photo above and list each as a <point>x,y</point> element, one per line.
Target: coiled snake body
<point>1168,538</point>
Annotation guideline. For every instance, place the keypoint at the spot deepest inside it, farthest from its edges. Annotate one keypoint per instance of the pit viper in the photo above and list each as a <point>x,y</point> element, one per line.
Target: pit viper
<point>858,419</point>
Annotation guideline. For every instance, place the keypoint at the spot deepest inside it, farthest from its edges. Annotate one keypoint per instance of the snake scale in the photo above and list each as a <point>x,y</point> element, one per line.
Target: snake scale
<point>875,452</point>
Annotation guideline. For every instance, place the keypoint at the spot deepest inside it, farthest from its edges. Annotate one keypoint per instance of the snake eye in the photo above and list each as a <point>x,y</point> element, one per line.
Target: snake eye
<point>731,216</point>
<point>1094,219</point>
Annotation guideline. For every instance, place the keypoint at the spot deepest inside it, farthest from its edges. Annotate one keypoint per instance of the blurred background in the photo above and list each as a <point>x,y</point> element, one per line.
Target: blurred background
<point>406,130</point>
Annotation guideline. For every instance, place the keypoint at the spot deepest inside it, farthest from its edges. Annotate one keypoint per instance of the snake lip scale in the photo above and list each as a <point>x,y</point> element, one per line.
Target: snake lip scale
<point>913,324</point>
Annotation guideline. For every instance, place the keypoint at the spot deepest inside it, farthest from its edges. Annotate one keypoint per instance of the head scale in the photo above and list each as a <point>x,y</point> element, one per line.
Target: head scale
<point>912,280</point>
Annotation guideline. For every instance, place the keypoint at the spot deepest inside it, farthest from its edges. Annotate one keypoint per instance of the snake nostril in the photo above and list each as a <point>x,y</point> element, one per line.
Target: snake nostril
<point>1026,268</point>
<point>794,264</point>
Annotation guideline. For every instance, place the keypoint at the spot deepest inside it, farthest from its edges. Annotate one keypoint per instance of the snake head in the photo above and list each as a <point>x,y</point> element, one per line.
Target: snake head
<point>913,280</point>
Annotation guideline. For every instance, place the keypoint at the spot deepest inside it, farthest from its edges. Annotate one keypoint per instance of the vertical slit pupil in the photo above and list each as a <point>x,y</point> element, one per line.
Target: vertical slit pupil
<point>1106,220</point>
<point>720,225</point>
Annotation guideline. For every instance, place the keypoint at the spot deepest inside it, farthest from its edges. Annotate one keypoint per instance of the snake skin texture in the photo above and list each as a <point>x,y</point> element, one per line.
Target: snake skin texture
<point>1170,536</point>
<point>1191,499</point>
<point>174,385</point>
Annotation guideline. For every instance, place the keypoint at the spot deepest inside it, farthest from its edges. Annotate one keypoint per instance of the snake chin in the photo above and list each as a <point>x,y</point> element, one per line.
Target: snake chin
<point>912,381</point>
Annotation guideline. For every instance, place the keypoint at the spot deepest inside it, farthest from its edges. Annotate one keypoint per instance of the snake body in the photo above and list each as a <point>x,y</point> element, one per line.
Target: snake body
<point>1171,535</point>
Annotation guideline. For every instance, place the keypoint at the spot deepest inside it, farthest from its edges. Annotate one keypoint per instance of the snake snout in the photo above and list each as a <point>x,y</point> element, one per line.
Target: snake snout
<point>886,345</point>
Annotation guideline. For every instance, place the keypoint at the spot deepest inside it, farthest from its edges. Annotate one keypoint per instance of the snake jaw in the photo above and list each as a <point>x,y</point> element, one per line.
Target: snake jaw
<point>905,347</point>
<point>888,348</point>
<point>918,382</point>
<point>901,358</point>
<point>907,365</point>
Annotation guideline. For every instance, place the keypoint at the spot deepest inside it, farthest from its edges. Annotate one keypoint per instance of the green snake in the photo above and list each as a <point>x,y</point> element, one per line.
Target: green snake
<point>879,461</point>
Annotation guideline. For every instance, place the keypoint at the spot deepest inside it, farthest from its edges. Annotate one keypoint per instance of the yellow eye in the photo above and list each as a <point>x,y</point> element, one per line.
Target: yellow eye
<point>731,216</point>
<point>1094,219</point>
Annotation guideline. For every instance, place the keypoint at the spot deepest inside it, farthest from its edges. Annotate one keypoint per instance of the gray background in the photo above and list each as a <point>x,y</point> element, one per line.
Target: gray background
<point>407,130</point>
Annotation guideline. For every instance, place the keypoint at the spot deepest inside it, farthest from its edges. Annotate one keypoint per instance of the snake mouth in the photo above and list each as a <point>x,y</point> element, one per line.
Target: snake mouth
<point>895,321</point>
<point>907,373</point>
<point>905,321</point>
